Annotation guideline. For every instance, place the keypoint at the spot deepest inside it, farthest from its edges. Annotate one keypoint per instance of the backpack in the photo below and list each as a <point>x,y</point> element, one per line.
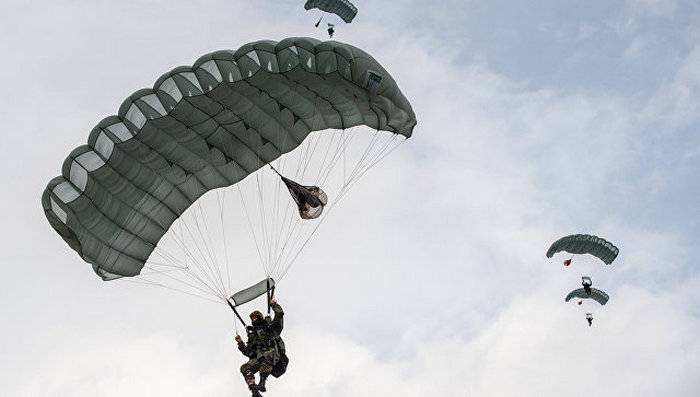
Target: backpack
<point>280,366</point>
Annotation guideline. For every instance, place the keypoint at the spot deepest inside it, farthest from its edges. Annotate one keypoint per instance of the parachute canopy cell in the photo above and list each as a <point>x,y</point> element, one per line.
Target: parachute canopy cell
<point>204,127</point>
<point>342,8</point>
<point>596,294</point>
<point>585,244</point>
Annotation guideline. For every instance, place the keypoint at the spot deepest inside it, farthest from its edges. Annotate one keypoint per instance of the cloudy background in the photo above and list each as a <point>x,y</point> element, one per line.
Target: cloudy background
<point>536,119</point>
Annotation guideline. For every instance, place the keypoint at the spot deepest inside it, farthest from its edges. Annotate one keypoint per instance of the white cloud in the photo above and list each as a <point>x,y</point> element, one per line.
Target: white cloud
<point>111,364</point>
<point>659,8</point>
<point>677,102</point>
<point>642,344</point>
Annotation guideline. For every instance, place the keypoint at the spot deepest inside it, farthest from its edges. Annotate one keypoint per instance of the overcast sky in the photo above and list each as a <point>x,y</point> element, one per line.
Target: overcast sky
<point>536,119</point>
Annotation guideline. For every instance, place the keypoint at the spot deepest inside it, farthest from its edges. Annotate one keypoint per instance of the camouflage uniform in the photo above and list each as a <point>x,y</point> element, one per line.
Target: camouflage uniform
<point>261,348</point>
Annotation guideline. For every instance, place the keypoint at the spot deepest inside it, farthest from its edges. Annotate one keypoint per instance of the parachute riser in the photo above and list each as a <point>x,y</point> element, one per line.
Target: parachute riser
<point>269,296</point>
<point>236,312</point>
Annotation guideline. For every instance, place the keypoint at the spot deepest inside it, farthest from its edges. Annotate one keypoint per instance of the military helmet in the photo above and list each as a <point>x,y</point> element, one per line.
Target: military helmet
<point>255,314</point>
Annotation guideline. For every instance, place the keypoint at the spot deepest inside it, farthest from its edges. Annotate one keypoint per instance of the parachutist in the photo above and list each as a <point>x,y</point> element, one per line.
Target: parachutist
<point>342,8</point>
<point>579,244</point>
<point>264,348</point>
<point>586,282</point>
<point>331,30</point>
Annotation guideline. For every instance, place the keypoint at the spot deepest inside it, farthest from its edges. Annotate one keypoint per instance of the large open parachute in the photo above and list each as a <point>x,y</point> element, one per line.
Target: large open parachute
<point>235,118</point>
<point>342,8</point>
<point>585,244</point>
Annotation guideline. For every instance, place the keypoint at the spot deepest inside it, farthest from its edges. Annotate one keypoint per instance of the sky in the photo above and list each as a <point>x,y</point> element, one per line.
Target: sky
<point>536,119</point>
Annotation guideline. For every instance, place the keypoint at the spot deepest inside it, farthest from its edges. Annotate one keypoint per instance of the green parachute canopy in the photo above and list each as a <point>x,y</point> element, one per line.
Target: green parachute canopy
<point>342,8</point>
<point>596,294</point>
<point>209,126</point>
<point>585,244</point>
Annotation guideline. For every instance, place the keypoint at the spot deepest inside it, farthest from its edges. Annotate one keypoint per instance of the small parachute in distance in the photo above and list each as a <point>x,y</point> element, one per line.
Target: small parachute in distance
<point>585,244</point>
<point>342,8</point>
<point>596,294</point>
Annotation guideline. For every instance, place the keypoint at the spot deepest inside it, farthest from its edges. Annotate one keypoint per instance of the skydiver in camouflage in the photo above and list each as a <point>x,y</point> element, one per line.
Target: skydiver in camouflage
<point>264,349</point>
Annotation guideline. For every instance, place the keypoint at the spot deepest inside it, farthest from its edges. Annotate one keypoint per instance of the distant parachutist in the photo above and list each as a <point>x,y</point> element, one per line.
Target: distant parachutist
<point>585,244</point>
<point>331,30</point>
<point>583,293</point>
<point>586,282</point>
<point>344,9</point>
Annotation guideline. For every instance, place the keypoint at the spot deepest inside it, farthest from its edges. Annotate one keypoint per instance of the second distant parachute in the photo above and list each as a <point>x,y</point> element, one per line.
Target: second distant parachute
<point>342,8</point>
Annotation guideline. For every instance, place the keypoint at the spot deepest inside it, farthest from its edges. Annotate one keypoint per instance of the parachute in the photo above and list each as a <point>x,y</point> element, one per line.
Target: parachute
<point>596,294</point>
<point>342,8</point>
<point>145,172</point>
<point>585,244</point>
